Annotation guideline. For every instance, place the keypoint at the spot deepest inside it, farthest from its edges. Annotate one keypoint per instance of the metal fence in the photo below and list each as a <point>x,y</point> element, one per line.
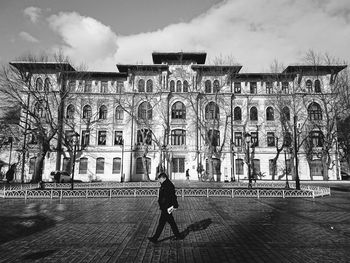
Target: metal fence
<point>100,190</point>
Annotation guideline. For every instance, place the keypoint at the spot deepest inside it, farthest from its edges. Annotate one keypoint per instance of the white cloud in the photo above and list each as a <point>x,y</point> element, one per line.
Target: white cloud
<point>33,13</point>
<point>85,39</point>
<point>28,37</point>
<point>273,29</point>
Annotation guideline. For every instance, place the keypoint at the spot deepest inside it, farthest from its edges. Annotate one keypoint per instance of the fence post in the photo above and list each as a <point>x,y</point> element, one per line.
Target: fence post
<point>258,194</point>
<point>51,194</point>
<point>110,193</point>
<point>207,193</point>
<point>182,193</point>
<point>135,193</point>
<point>283,194</point>
<point>313,194</point>
<point>61,194</point>
<point>25,194</point>
<point>86,193</point>
<point>232,193</point>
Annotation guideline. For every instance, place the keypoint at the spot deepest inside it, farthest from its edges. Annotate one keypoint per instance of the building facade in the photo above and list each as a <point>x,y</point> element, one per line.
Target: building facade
<point>180,114</point>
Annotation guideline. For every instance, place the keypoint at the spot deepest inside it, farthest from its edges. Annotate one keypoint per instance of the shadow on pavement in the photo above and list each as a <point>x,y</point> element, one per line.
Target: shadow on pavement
<point>39,255</point>
<point>197,226</point>
<point>20,226</point>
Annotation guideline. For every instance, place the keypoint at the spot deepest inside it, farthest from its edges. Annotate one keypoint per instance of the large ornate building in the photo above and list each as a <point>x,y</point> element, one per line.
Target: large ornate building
<point>181,114</point>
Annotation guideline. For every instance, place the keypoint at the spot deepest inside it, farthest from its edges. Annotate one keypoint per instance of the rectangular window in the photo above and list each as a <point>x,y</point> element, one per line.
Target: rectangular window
<point>270,139</point>
<point>256,166</point>
<point>66,164</point>
<point>272,167</point>
<point>68,134</point>
<point>179,165</point>
<point>104,87</point>
<point>316,168</point>
<point>285,87</point>
<point>71,85</point>
<point>289,166</point>
<point>88,86</point>
<point>116,165</point>
<point>238,139</point>
<point>32,165</point>
<point>83,165</point>
<point>119,87</point>
<point>269,89</point>
<point>178,137</point>
<point>316,139</point>
<point>239,166</point>
<point>214,137</point>
<point>85,138</point>
<point>253,87</point>
<point>100,165</point>
<point>102,135</point>
<point>287,139</point>
<point>118,138</point>
<point>144,137</point>
<point>237,87</point>
<point>254,139</point>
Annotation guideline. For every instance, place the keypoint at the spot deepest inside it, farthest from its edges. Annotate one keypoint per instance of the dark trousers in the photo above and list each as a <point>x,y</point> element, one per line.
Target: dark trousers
<point>166,217</point>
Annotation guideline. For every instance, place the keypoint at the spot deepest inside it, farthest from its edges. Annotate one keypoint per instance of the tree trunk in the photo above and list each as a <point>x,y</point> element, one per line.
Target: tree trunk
<point>37,176</point>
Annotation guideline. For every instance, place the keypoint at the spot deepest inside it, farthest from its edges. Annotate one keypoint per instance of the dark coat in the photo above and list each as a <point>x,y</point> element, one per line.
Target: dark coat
<point>167,196</point>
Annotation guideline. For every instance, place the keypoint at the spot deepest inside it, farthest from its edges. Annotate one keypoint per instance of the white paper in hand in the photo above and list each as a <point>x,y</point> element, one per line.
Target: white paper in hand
<point>170,209</point>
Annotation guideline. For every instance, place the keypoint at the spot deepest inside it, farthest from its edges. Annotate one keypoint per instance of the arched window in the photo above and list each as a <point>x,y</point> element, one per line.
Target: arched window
<point>149,87</point>
<point>285,87</point>
<point>212,111</point>
<point>308,85</point>
<point>314,112</point>
<point>102,113</point>
<point>208,86</point>
<point>47,84</point>
<point>253,114</point>
<point>100,165</point>
<point>216,86</point>
<point>83,165</point>
<point>285,114</point>
<point>237,114</point>
<point>145,111</point>
<point>141,85</point>
<point>116,165</point>
<point>70,112</point>
<point>178,86</point>
<point>270,114</point>
<point>39,84</point>
<point>172,86</point>
<point>185,86</point>
<point>317,86</point>
<point>119,113</point>
<point>178,111</point>
<point>140,169</point>
<point>178,137</point>
<point>87,113</point>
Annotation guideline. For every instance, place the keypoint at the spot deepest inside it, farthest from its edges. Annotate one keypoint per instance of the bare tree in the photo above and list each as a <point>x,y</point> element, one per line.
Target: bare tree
<point>35,85</point>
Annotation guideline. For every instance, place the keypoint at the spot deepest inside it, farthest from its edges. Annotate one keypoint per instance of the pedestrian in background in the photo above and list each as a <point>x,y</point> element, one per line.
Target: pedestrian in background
<point>188,174</point>
<point>167,201</point>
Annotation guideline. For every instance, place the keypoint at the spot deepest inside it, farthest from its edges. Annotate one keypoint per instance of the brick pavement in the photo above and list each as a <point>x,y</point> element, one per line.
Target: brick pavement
<point>221,230</point>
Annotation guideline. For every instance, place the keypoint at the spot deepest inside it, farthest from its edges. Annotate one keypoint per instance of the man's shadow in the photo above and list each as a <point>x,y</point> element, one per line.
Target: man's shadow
<point>197,226</point>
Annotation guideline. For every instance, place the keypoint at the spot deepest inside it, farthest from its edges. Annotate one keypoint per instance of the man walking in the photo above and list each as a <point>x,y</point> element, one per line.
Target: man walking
<point>167,201</point>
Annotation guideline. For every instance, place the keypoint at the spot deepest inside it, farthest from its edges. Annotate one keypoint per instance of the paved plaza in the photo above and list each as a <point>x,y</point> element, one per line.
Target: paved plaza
<point>217,230</point>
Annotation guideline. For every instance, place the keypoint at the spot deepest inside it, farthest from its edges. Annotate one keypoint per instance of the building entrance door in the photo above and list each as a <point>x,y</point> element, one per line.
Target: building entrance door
<point>178,168</point>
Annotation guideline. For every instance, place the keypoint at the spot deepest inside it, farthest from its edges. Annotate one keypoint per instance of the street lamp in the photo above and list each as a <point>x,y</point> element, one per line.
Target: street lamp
<point>75,141</point>
<point>297,180</point>
<point>247,141</point>
<point>121,168</point>
<point>286,168</point>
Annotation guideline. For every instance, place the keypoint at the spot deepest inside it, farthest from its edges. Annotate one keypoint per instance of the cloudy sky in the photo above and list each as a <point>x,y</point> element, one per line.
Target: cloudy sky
<point>105,32</point>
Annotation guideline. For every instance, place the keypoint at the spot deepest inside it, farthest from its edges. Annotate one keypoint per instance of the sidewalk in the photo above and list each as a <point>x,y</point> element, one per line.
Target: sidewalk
<point>220,230</point>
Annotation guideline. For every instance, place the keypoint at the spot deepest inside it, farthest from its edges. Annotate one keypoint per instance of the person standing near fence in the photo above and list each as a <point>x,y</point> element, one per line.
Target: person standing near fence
<point>167,201</point>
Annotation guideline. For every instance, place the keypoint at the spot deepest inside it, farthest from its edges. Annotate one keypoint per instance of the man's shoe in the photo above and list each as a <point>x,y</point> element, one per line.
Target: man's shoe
<point>180,237</point>
<point>152,239</point>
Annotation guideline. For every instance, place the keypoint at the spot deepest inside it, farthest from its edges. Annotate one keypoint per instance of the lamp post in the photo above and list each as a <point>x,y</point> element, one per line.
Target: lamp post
<point>286,168</point>
<point>297,180</point>
<point>247,140</point>
<point>10,140</point>
<point>121,168</point>
<point>75,140</point>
